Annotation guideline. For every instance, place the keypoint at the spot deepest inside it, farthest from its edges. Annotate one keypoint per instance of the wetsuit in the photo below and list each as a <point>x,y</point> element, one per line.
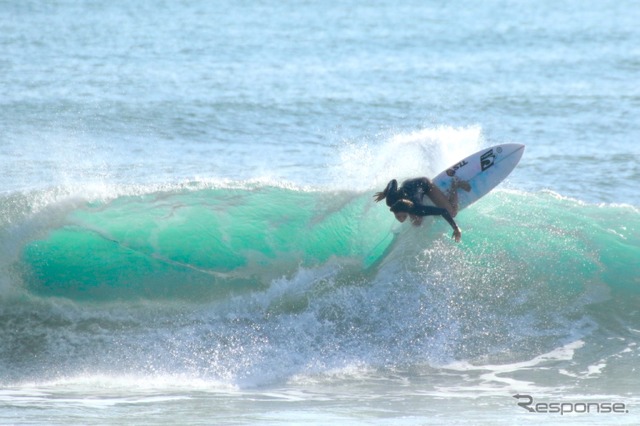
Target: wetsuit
<point>414,190</point>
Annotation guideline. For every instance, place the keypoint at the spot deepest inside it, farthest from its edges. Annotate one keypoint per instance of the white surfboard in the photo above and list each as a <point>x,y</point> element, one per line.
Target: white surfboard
<point>484,170</point>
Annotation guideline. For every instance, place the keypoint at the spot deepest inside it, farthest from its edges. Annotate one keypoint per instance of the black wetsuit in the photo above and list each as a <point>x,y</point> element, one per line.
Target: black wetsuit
<point>414,190</point>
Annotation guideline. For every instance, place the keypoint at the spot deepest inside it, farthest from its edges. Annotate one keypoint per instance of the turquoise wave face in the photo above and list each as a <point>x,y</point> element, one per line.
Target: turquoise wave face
<point>565,243</point>
<point>213,241</point>
<point>193,243</point>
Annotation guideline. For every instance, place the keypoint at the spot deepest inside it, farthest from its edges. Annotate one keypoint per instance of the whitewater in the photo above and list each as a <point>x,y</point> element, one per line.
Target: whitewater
<point>188,233</point>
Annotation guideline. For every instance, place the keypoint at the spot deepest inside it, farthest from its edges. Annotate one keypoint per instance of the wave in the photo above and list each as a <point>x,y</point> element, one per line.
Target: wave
<point>248,284</point>
<point>176,242</point>
<point>190,243</point>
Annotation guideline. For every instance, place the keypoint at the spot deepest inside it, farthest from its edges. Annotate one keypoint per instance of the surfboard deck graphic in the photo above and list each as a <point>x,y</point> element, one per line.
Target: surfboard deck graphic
<point>483,170</point>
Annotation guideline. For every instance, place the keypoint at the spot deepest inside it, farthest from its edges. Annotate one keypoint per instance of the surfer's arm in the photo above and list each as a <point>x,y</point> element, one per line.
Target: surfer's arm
<point>420,210</point>
<point>434,211</point>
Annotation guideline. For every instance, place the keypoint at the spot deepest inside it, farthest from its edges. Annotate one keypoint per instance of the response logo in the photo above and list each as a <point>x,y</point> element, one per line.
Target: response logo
<point>527,402</point>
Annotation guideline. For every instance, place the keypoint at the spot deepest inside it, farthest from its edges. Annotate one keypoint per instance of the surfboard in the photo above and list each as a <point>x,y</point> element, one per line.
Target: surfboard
<point>483,170</point>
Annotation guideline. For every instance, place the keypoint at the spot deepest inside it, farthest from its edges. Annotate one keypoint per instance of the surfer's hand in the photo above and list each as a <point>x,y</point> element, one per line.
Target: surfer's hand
<point>457,234</point>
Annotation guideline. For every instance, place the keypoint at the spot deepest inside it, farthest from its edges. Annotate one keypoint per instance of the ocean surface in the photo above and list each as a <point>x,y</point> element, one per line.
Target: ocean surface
<point>188,235</point>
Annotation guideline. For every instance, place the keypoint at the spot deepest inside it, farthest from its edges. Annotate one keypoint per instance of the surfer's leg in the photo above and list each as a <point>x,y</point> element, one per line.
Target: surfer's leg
<point>441,200</point>
<point>450,202</point>
<point>453,192</point>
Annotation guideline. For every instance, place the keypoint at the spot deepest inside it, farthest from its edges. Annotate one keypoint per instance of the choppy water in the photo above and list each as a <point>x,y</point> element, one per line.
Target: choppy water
<point>187,232</point>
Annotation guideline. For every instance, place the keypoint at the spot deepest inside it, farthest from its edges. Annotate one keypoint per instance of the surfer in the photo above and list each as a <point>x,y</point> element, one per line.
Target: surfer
<point>406,201</point>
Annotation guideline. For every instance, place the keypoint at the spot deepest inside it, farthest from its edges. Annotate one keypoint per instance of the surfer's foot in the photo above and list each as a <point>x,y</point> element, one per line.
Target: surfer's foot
<point>461,184</point>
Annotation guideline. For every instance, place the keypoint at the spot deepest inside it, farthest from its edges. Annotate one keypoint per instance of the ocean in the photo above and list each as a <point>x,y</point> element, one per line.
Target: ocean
<point>188,234</point>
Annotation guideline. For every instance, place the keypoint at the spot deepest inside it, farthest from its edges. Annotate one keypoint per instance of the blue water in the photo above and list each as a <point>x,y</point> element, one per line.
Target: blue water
<point>187,231</point>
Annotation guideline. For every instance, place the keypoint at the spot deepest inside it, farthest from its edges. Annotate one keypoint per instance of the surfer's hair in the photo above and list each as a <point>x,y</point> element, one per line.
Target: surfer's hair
<point>390,193</point>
